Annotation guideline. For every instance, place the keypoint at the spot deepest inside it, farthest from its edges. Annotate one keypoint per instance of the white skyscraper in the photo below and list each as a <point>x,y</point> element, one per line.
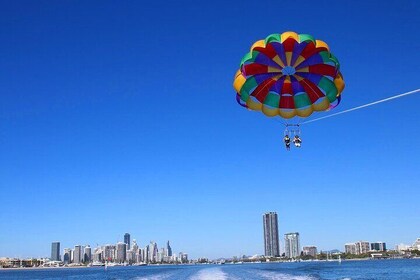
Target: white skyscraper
<point>87,254</point>
<point>153,251</point>
<point>67,256</point>
<point>135,247</point>
<point>292,245</point>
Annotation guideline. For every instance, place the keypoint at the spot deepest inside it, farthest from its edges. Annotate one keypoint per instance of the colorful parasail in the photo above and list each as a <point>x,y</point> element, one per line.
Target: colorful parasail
<point>289,75</point>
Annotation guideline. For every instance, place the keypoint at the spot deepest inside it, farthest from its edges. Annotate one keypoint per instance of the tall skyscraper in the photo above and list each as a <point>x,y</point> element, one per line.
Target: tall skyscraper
<point>135,246</point>
<point>292,245</point>
<point>121,254</point>
<point>77,255</point>
<point>271,235</point>
<point>109,252</point>
<point>67,256</point>
<point>55,251</point>
<point>127,240</point>
<point>153,251</point>
<point>87,254</point>
<point>168,249</point>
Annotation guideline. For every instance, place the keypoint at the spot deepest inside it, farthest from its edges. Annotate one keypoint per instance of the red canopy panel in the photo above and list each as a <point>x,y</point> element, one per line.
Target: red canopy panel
<point>312,90</point>
<point>255,69</point>
<point>287,102</point>
<point>268,50</point>
<point>289,44</point>
<point>323,69</point>
<point>261,91</point>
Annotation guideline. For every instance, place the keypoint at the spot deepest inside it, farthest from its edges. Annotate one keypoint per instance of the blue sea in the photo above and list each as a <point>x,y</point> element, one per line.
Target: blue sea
<point>347,270</point>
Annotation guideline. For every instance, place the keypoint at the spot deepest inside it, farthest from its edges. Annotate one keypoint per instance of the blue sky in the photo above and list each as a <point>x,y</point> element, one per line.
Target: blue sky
<point>120,116</point>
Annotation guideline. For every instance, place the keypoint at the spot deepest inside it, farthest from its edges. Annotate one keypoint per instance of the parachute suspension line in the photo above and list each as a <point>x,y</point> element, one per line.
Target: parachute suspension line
<point>363,106</point>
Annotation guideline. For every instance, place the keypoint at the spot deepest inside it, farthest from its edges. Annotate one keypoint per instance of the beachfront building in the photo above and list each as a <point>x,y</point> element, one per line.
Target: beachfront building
<point>378,246</point>
<point>350,248</point>
<point>67,256</point>
<point>183,257</point>
<point>416,244</point>
<point>131,256</point>
<point>310,251</point>
<point>168,249</point>
<point>402,248</point>
<point>97,255</point>
<point>108,252</point>
<point>55,251</point>
<point>362,247</point>
<point>292,245</point>
<point>127,240</point>
<point>152,252</point>
<point>135,247</point>
<point>271,235</point>
<point>121,252</point>
<point>357,248</point>
<point>77,254</point>
<point>87,254</point>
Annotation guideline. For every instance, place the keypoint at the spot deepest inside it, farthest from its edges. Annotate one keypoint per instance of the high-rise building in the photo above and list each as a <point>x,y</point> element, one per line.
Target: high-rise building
<point>378,246</point>
<point>67,256</point>
<point>87,254</point>
<point>55,251</point>
<point>292,245</point>
<point>127,240</point>
<point>108,252</point>
<point>168,249</point>
<point>97,255</point>
<point>152,253</point>
<point>357,248</point>
<point>271,234</point>
<point>77,255</point>
<point>121,252</point>
<point>310,251</point>
<point>183,257</point>
<point>362,247</point>
<point>146,254</point>
<point>135,247</point>
<point>350,248</point>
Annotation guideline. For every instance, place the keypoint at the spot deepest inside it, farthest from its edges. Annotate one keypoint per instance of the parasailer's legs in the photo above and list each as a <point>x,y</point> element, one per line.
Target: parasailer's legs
<point>286,140</point>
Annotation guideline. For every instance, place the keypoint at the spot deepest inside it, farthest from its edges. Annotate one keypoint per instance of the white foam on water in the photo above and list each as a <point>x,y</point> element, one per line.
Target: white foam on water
<point>282,276</point>
<point>215,273</point>
<point>162,276</point>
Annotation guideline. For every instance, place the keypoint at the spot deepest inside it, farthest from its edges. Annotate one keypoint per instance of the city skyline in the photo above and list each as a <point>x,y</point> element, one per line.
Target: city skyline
<point>100,99</point>
<point>119,253</point>
<point>273,247</point>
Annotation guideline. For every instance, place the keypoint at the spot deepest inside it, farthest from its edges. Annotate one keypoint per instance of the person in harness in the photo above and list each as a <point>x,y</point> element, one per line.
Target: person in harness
<point>286,140</point>
<point>297,141</point>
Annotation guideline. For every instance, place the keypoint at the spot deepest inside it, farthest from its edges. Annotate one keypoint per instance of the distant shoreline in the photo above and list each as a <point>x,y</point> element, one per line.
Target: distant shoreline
<point>44,267</point>
<point>103,267</point>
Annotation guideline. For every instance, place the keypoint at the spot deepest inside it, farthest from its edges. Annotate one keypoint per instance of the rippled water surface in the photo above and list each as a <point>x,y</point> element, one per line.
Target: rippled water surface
<point>347,270</point>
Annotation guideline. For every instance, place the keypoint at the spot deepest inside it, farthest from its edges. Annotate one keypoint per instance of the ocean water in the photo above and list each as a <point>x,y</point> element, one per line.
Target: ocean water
<point>347,270</point>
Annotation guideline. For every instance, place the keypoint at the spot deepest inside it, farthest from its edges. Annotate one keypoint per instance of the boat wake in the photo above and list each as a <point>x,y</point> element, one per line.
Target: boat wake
<point>162,276</point>
<point>210,274</point>
<point>283,276</point>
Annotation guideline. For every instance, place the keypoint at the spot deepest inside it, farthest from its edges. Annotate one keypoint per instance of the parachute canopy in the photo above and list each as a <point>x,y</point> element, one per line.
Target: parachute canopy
<point>289,75</point>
